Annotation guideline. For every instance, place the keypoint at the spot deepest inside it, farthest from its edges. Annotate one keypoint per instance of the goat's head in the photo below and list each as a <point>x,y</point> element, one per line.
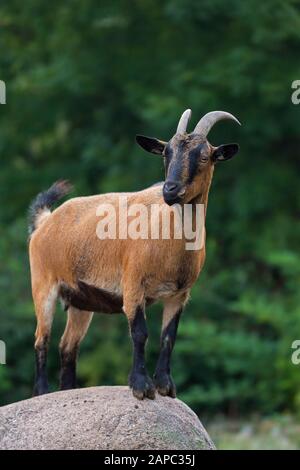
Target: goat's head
<point>189,157</point>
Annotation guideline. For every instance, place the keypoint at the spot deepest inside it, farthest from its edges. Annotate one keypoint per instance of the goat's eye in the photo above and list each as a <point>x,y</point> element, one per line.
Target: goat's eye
<point>203,158</point>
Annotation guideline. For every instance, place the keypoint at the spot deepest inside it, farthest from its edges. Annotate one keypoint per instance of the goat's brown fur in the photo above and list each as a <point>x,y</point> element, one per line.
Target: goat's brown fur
<point>68,260</point>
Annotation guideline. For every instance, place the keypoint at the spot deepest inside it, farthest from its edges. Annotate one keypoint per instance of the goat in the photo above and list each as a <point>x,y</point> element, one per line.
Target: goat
<point>68,261</point>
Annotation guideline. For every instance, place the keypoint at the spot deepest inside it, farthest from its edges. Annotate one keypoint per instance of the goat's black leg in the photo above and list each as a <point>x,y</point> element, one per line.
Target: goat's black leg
<point>44,296</point>
<point>68,369</point>
<point>41,380</point>
<point>76,329</point>
<point>140,382</point>
<point>162,376</point>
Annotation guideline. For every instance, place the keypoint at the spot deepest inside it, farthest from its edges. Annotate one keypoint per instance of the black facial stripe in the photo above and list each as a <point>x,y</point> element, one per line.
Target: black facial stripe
<point>168,154</point>
<point>176,169</point>
<point>194,156</point>
<point>176,163</point>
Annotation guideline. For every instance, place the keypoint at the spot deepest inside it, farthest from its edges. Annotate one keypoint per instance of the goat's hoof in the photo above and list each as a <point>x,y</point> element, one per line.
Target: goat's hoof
<point>142,386</point>
<point>40,388</point>
<point>65,386</point>
<point>165,385</point>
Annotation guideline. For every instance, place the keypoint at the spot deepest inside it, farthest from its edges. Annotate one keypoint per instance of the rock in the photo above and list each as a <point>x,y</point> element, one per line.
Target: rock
<point>106,418</point>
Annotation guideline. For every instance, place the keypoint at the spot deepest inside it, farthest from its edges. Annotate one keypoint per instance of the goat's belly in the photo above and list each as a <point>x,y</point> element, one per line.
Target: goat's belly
<point>90,298</point>
<point>93,299</point>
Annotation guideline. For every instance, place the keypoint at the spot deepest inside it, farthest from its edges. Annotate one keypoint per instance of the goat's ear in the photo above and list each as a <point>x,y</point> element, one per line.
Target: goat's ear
<point>225,152</point>
<point>150,144</point>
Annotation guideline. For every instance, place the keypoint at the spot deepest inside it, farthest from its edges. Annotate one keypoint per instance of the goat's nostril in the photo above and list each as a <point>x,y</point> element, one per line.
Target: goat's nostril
<point>171,187</point>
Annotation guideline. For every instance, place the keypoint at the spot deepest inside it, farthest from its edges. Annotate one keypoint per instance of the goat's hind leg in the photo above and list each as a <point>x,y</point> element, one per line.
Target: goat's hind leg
<point>76,328</point>
<point>44,296</point>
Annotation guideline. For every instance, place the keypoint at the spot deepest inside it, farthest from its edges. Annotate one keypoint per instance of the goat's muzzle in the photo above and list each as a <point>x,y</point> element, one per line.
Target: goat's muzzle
<point>173,192</point>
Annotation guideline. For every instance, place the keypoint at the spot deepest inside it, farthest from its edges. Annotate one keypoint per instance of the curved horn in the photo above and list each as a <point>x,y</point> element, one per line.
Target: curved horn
<point>209,120</point>
<point>183,121</point>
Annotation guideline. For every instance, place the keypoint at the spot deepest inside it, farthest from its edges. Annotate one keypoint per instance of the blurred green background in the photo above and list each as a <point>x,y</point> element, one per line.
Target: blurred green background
<point>82,79</point>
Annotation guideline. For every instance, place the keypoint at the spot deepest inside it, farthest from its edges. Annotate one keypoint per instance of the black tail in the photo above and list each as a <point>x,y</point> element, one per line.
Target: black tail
<point>45,200</point>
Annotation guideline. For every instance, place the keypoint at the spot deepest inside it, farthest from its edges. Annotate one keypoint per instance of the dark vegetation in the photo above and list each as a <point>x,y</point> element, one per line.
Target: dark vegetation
<point>82,79</point>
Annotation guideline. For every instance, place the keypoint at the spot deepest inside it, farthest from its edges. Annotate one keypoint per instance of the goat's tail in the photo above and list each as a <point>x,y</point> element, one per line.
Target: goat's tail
<point>40,207</point>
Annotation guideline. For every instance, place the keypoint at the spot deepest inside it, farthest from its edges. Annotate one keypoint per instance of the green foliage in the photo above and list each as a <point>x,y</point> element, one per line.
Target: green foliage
<point>279,432</point>
<point>82,79</point>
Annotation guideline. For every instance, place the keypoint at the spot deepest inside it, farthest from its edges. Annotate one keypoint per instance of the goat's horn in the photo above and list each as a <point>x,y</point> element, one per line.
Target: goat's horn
<point>183,121</point>
<point>209,120</point>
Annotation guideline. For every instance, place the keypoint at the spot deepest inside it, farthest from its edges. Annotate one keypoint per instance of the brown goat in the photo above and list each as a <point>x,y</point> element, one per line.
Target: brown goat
<point>122,275</point>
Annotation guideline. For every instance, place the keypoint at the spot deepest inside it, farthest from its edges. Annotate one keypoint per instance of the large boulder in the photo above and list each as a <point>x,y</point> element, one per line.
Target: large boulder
<point>107,418</point>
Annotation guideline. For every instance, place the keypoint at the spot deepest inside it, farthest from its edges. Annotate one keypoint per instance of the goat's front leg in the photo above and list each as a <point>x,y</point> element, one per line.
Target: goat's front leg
<point>162,376</point>
<point>139,380</point>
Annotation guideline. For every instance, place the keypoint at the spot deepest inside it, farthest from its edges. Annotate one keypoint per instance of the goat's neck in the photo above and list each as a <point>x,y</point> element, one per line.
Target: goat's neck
<point>204,186</point>
<point>201,198</point>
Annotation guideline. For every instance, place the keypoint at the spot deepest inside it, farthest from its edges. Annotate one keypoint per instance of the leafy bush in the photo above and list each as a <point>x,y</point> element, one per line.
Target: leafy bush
<point>80,84</point>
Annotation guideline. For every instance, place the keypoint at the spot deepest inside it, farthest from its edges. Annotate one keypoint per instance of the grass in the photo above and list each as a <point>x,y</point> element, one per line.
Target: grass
<point>278,432</point>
